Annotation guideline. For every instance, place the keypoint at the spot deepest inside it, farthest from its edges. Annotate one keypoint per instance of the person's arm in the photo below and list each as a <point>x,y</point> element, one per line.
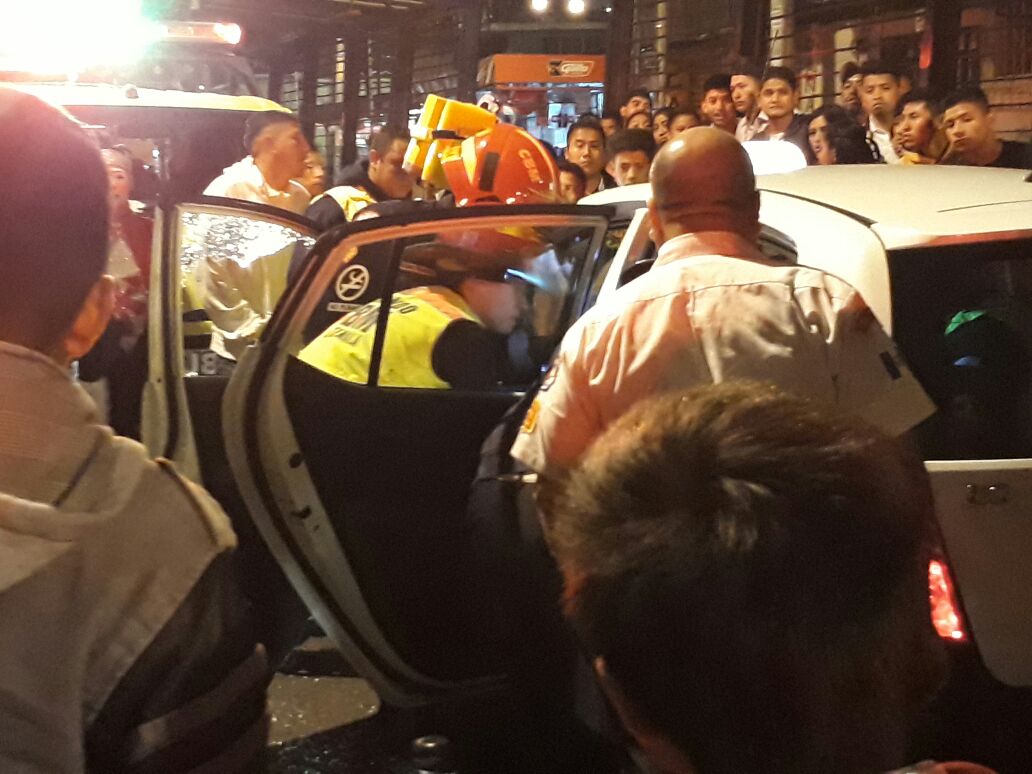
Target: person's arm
<point>326,213</point>
<point>468,356</point>
<point>564,419</point>
<point>871,378</point>
<point>195,697</point>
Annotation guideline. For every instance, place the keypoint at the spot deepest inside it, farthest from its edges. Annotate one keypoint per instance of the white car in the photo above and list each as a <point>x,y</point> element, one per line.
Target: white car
<point>943,256</point>
<point>360,488</point>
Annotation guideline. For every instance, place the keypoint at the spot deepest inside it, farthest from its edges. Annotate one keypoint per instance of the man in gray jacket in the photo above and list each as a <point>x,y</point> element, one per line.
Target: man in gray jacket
<point>124,641</point>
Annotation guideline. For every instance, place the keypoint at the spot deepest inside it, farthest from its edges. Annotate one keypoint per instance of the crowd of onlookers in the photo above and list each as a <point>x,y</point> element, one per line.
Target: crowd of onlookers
<point>877,118</point>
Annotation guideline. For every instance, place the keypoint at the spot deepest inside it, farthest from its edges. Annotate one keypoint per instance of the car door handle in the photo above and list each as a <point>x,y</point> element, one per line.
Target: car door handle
<point>991,494</point>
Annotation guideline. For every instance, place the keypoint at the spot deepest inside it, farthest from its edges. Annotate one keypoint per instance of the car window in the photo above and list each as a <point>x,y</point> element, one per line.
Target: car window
<point>233,270</point>
<point>962,316</point>
<point>469,309</point>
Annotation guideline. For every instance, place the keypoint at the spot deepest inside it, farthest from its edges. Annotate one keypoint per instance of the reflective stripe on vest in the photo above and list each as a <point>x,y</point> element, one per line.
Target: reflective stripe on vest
<point>351,199</point>
<point>418,318</point>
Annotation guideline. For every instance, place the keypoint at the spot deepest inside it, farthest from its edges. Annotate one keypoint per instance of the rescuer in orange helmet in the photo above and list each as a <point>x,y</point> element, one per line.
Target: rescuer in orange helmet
<point>452,333</point>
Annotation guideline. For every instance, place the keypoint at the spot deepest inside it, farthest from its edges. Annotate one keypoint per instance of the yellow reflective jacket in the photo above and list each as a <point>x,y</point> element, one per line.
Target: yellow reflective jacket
<point>417,319</point>
<point>351,199</point>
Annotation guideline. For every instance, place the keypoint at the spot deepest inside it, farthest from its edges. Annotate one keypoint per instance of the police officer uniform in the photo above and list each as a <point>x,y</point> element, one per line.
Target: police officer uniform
<point>434,341</point>
<point>712,309</point>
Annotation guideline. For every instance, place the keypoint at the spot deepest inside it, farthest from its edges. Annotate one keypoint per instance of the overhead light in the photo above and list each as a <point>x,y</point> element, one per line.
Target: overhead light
<point>539,6</point>
<point>576,7</point>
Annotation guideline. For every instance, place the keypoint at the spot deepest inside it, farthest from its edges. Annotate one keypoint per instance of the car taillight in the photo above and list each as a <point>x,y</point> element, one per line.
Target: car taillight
<point>946,616</point>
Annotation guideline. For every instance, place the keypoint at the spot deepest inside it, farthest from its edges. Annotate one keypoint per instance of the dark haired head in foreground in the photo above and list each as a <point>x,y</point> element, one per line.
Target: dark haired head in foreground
<point>749,570</point>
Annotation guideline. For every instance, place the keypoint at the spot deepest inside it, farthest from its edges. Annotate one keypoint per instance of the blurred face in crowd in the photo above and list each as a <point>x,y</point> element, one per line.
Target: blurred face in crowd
<point>719,110</point>
<point>818,135</point>
<point>916,126</point>
<point>661,128</point>
<point>609,126</point>
<point>968,127</point>
<point>636,104</point>
<point>631,167</point>
<point>284,145</point>
<point>388,172</point>
<point>571,189</point>
<point>850,97</point>
<point>640,121</point>
<point>682,123</point>
<point>314,178</point>
<point>879,95</point>
<point>744,93</point>
<point>585,149</point>
<point>777,98</point>
<point>121,183</point>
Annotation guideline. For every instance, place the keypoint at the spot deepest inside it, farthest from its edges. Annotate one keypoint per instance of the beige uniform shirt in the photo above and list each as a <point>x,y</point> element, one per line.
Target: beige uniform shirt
<point>245,181</point>
<point>713,309</point>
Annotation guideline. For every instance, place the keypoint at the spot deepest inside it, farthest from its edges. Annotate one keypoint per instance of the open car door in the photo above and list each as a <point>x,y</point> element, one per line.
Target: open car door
<point>355,425</point>
<point>220,268</point>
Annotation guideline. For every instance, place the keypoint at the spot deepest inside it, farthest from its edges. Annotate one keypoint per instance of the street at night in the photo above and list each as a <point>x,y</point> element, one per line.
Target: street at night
<point>505,386</point>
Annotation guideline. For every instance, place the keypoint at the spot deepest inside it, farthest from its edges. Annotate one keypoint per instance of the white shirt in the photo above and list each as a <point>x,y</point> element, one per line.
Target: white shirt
<point>244,180</point>
<point>883,140</point>
<point>714,309</point>
<point>748,130</point>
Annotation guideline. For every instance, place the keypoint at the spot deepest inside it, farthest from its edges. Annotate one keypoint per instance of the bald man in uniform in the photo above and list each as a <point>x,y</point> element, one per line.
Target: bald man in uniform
<point>714,309</point>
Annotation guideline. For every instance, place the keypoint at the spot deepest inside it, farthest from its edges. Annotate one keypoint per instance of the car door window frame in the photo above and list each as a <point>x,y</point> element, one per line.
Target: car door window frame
<point>167,426</point>
<point>271,472</point>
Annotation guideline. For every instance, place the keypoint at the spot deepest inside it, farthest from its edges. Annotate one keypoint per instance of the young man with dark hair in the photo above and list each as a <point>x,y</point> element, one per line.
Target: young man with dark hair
<point>683,119</point>
<point>636,101</point>
<point>630,154</point>
<point>745,94</point>
<point>879,96</point>
<point>849,96</point>
<point>779,100</point>
<point>611,122</point>
<point>716,107</point>
<point>379,179</point>
<point>126,643</point>
<point>919,140</point>
<point>749,573</point>
<point>277,149</point>
<point>969,126</point>
<point>586,147</point>
<point>572,182</point>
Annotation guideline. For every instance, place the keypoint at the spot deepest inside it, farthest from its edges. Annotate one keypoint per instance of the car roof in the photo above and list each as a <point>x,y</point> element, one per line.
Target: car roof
<point>72,95</point>
<point>905,205</point>
<point>917,204</point>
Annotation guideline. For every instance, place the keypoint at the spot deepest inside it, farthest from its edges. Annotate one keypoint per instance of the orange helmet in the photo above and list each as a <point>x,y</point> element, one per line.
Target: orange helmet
<point>500,165</point>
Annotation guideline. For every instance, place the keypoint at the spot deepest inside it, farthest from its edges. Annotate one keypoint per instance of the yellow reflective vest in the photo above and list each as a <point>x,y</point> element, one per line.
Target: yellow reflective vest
<point>351,199</point>
<point>417,319</point>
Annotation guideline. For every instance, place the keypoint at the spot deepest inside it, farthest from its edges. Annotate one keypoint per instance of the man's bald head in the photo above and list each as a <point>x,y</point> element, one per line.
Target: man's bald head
<point>702,180</point>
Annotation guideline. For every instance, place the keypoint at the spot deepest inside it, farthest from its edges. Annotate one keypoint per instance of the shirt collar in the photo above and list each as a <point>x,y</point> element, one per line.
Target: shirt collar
<point>706,243</point>
<point>257,179</point>
<point>875,129</point>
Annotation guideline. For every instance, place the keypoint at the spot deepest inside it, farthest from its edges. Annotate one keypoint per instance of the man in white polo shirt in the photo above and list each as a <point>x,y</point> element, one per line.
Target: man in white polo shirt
<point>278,151</point>
<point>714,309</point>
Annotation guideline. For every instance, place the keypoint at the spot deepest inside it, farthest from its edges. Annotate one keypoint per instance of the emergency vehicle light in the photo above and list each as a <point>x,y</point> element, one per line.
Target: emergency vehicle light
<point>210,32</point>
<point>946,616</point>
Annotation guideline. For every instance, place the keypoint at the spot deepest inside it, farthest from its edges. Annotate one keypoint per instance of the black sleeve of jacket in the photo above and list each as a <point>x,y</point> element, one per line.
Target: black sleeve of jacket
<point>326,213</point>
<point>468,356</point>
<point>196,696</point>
